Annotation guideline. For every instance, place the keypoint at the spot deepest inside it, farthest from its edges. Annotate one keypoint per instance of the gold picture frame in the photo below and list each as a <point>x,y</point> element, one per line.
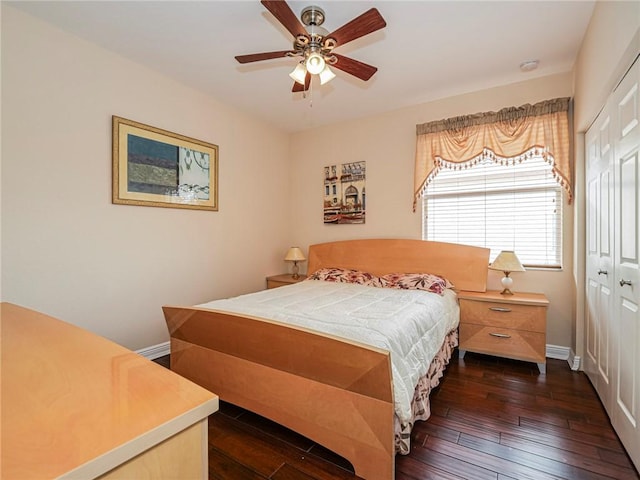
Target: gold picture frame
<point>156,168</point>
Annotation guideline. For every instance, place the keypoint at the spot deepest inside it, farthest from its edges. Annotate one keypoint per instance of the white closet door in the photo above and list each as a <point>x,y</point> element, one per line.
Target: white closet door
<point>599,268</point>
<point>626,123</point>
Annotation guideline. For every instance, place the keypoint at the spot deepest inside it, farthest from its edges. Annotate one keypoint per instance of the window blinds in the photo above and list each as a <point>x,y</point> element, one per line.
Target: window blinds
<point>516,207</point>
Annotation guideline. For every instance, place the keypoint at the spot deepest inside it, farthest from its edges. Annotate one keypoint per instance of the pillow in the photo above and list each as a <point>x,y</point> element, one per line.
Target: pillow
<point>346,275</point>
<point>417,281</point>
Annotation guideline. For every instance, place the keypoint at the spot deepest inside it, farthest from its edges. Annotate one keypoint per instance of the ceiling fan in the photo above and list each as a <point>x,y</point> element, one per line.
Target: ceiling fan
<point>314,45</point>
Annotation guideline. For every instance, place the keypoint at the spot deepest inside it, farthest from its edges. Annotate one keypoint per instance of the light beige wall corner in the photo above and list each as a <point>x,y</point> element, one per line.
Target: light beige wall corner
<point>66,249</point>
<point>387,143</point>
<point>610,45</point>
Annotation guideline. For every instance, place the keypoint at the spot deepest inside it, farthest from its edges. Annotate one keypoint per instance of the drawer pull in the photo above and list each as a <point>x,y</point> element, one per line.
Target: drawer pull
<point>603,272</point>
<point>500,335</point>
<point>499,309</point>
<point>624,282</point>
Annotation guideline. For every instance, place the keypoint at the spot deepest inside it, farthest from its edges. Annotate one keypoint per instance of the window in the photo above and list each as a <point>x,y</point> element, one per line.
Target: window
<point>503,207</point>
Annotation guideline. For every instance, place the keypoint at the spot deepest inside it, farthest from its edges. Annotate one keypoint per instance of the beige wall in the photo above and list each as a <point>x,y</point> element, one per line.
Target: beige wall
<point>610,44</point>
<point>69,252</point>
<point>387,144</point>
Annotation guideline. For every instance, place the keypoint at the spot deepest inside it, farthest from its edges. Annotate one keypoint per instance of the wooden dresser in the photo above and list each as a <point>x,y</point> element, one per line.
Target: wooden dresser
<point>282,280</point>
<point>510,326</point>
<point>75,405</point>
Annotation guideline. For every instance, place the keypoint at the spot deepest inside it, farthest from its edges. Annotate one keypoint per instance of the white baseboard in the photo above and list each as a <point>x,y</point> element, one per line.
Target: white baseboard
<point>563,353</point>
<point>574,361</point>
<point>155,351</point>
<point>558,352</point>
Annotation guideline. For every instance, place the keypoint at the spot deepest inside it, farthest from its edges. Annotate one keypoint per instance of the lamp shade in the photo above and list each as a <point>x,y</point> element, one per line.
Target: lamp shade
<point>294,255</point>
<point>326,75</point>
<point>507,261</point>
<point>299,73</point>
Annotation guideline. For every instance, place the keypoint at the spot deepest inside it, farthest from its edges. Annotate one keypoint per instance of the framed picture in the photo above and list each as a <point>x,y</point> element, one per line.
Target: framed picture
<point>345,194</point>
<point>157,168</point>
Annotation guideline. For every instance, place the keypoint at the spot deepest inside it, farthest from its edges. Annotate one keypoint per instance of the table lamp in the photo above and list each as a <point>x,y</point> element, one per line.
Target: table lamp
<point>294,255</point>
<point>507,262</point>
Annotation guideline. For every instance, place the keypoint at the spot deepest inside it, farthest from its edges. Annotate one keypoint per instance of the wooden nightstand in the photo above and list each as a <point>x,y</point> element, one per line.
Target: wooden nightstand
<point>510,326</point>
<point>282,280</point>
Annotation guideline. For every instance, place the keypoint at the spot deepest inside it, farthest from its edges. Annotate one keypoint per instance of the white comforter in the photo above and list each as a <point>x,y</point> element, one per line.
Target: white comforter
<point>410,324</point>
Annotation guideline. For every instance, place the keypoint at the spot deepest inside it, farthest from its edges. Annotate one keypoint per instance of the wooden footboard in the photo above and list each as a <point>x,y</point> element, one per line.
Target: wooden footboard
<point>333,391</point>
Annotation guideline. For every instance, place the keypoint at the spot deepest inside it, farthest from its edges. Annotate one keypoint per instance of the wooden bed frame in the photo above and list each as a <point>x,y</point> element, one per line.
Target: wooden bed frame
<point>335,392</point>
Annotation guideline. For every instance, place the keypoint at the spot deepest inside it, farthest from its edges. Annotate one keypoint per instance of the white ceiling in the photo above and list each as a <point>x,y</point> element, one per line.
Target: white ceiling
<point>429,49</point>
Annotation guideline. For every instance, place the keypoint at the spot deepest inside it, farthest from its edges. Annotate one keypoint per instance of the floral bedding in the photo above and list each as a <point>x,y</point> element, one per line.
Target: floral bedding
<point>420,405</point>
<point>406,281</point>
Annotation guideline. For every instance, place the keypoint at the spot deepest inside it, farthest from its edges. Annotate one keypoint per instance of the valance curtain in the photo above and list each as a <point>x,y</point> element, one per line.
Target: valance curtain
<point>510,135</point>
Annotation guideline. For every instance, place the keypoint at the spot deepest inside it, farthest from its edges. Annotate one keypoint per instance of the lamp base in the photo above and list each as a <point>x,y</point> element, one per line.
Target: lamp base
<point>295,275</point>
<point>507,282</point>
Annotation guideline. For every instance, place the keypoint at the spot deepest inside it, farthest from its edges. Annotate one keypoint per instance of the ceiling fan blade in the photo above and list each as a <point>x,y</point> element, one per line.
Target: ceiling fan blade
<point>353,67</point>
<point>256,57</point>
<point>368,22</point>
<point>281,10</point>
<point>302,88</point>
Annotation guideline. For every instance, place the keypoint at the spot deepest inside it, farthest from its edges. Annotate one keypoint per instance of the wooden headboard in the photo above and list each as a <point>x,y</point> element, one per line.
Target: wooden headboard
<point>463,265</point>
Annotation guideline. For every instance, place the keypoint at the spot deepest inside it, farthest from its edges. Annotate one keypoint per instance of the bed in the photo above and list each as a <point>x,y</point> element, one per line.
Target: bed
<point>335,391</point>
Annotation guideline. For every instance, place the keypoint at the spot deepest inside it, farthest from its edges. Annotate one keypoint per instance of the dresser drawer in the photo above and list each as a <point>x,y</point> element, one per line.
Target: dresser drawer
<point>531,318</point>
<point>276,281</point>
<point>504,342</point>
<point>276,284</point>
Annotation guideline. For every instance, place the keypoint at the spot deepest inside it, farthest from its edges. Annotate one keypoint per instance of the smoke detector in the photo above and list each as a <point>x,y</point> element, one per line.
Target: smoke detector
<point>529,65</point>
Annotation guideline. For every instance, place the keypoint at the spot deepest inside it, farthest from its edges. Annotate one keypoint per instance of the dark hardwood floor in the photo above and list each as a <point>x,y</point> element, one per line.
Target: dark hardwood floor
<point>491,419</point>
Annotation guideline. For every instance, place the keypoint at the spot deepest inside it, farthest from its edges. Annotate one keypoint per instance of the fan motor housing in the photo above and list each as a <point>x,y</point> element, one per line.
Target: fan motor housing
<point>312,15</point>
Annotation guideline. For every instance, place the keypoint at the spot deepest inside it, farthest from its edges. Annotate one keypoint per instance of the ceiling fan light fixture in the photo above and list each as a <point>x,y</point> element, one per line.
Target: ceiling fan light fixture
<point>315,63</point>
<point>299,73</point>
<point>326,75</point>
<point>313,45</point>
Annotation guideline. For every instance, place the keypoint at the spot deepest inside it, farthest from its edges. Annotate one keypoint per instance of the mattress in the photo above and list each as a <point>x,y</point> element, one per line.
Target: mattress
<point>410,324</point>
